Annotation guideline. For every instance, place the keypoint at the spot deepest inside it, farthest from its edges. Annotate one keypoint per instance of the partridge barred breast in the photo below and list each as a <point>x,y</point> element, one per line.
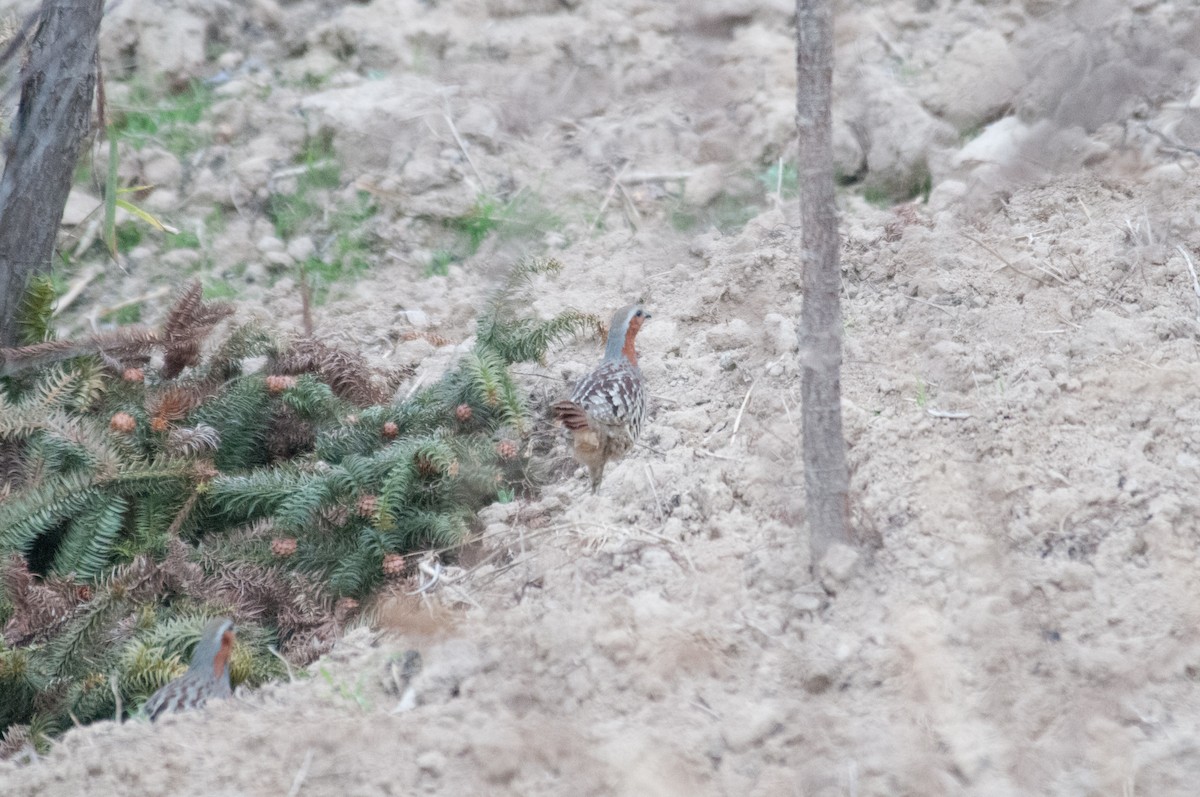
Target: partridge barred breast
<point>608,406</point>
<point>206,679</point>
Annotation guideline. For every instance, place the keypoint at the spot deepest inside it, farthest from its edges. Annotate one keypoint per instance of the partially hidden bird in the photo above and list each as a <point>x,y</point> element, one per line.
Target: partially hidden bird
<point>206,679</point>
<point>608,406</point>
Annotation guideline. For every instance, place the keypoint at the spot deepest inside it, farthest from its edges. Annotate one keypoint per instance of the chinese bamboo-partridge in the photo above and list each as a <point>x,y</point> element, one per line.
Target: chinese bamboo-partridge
<point>206,679</point>
<point>608,406</point>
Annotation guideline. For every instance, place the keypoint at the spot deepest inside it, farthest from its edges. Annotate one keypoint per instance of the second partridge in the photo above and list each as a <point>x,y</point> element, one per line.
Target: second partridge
<point>207,677</point>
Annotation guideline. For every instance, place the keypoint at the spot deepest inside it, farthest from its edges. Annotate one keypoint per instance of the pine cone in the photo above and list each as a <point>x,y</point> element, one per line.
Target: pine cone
<point>393,565</point>
<point>122,422</point>
<point>133,375</point>
<point>283,547</point>
<point>390,430</point>
<point>368,506</point>
<point>276,384</point>
<point>159,424</point>
<point>463,412</point>
<point>506,450</point>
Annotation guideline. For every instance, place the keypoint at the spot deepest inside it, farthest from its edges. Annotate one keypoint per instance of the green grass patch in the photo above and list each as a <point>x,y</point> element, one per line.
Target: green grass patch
<point>129,314</point>
<point>877,196</point>
<point>129,235</point>
<point>292,212</point>
<point>439,264</point>
<point>780,179</point>
<point>728,213</point>
<point>352,250</point>
<point>524,216</point>
<point>169,120</point>
<point>218,290</point>
<point>919,183</point>
<point>182,240</point>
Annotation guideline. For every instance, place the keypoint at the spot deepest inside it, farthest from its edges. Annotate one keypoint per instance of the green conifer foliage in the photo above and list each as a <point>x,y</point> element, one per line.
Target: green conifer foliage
<point>150,479</point>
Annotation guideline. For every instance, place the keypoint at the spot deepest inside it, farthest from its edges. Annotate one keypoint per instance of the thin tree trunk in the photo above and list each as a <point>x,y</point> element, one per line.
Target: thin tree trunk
<point>825,474</point>
<point>54,118</point>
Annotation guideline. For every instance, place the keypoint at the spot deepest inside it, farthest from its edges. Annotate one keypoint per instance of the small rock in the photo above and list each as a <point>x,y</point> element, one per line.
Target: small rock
<point>431,762</point>
<point>180,259</point>
<point>79,208</point>
<point>803,602</point>
<point>175,48</point>
<point>616,643</point>
<point>979,78</point>
<point>749,726</point>
<point>254,172</point>
<point>417,319</point>
<point>496,752</point>
<point>256,273</point>
<point>161,168</point>
<point>1074,577</point>
<point>780,335</point>
<point>269,243</point>
<point>704,185</point>
<point>415,350</point>
<point>733,335</point>
<point>837,566</point>
<point>278,261</point>
<point>694,419</point>
<point>230,60</point>
<point>301,248</point>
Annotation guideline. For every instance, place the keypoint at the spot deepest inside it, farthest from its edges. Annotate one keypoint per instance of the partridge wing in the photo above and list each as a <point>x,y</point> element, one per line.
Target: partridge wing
<point>613,395</point>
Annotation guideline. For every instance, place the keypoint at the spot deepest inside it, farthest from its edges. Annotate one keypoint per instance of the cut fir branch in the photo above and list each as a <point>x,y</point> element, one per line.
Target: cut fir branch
<point>138,501</point>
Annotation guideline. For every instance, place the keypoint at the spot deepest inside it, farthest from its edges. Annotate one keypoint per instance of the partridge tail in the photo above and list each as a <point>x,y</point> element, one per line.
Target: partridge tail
<point>570,414</point>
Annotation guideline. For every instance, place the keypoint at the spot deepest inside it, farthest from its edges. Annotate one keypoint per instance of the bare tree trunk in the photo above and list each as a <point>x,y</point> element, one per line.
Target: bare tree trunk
<point>53,120</point>
<point>825,475</point>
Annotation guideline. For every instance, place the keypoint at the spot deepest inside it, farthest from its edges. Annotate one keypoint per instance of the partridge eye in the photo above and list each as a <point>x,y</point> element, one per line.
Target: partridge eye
<point>638,313</point>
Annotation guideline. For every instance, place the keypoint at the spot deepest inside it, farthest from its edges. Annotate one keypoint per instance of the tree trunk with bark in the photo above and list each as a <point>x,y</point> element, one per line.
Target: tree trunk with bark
<point>53,120</point>
<point>825,473</point>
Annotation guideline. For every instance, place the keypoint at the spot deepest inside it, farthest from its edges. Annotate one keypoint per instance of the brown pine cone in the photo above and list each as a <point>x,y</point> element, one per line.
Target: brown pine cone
<point>133,375</point>
<point>367,506</point>
<point>283,547</point>
<point>506,449</point>
<point>122,422</point>
<point>276,384</point>
<point>393,565</point>
<point>391,430</point>
<point>463,412</point>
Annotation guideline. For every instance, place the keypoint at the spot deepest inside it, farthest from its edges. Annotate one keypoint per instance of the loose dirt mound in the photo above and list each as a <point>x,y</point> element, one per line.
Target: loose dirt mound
<point>1020,399</point>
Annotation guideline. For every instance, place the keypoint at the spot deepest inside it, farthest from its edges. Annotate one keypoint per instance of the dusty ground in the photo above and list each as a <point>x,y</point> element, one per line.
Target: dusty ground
<point>1020,383</point>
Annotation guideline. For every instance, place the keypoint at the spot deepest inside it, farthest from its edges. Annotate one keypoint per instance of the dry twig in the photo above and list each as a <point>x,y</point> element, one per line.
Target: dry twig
<point>1195,281</point>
